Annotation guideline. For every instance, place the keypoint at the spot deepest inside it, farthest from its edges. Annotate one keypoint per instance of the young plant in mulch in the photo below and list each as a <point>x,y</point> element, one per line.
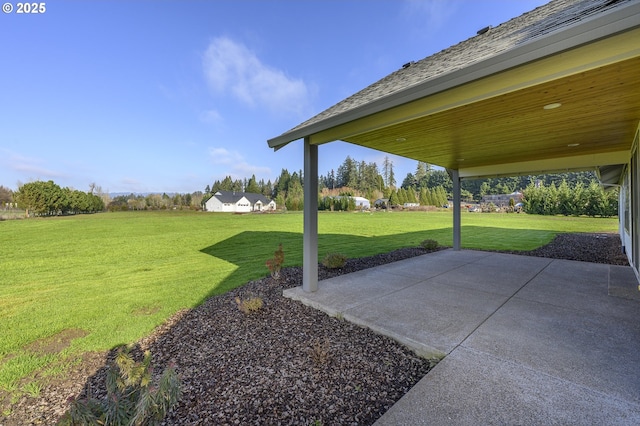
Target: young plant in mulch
<point>275,263</point>
<point>429,244</point>
<point>133,398</point>
<point>320,351</point>
<point>250,304</point>
<point>334,260</point>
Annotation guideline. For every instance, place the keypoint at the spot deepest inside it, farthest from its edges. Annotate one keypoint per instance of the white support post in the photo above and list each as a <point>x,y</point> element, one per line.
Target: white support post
<point>310,236</point>
<point>455,177</point>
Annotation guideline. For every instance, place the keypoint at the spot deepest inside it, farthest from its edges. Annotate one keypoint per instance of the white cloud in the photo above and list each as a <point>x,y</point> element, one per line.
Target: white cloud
<point>230,66</point>
<point>29,165</point>
<point>224,156</point>
<point>210,116</point>
<point>237,166</point>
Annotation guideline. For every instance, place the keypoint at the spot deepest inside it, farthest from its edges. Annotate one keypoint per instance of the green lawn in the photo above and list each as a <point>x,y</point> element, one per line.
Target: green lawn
<point>112,277</point>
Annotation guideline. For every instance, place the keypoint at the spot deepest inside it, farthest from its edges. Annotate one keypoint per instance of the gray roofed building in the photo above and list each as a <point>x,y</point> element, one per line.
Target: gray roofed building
<point>238,202</point>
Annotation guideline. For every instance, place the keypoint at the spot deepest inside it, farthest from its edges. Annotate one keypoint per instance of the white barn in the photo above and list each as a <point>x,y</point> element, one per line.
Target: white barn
<point>238,202</point>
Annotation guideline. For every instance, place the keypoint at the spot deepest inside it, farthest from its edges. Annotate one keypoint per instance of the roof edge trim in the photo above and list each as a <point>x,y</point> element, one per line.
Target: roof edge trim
<point>618,20</point>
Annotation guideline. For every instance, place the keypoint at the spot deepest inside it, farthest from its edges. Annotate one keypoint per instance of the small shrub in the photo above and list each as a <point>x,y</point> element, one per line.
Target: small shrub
<point>334,260</point>
<point>249,305</point>
<point>132,397</point>
<point>319,351</point>
<point>429,244</point>
<point>275,263</point>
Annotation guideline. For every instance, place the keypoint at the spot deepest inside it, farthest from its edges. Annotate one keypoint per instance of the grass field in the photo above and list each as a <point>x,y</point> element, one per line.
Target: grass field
<point>110,278</point>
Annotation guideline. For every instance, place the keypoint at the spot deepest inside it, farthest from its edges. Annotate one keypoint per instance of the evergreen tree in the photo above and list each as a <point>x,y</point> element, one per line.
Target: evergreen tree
<point>421,172</point>
<point>282,183</point>
<point>347,174</point>
<point>294,199</point>
<point>267,189</point>
<point>411,196</point>
<point>485,188</point>
<point>393,199</point>
<point>226,184</point>
<point>387,172</point>
<point>392,177</point>
<point>252,186</point>
<point>409,181</point>
<point>402,196</point>
<point>440,196</point>
<point>380,183</point>
<point>237,186</point>
<point>424,197</point>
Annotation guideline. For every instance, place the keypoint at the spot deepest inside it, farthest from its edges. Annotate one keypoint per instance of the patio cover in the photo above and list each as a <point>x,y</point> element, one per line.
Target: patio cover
<point>555,89</point>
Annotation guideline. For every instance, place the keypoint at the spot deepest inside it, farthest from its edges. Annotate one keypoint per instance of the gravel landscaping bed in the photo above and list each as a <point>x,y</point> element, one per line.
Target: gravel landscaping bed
<point>284,364</point>
<point>596,248</point>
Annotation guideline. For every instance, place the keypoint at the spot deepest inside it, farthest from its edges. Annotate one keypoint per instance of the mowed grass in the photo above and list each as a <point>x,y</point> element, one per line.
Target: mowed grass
<point>110,278</point>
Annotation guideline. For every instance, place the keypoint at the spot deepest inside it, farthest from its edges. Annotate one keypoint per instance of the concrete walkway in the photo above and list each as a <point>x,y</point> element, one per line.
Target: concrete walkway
<point>527,340</point>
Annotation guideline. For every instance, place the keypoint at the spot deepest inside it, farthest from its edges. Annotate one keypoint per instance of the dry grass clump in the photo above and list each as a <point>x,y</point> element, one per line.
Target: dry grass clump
<point>334,260</point>
<point>429,244</point>
<point>320,351</point>
<point>250,304</point>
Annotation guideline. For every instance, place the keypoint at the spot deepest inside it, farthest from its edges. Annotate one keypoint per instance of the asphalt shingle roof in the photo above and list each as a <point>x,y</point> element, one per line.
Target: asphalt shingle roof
<point>557,14</point>
<point>233,197</point>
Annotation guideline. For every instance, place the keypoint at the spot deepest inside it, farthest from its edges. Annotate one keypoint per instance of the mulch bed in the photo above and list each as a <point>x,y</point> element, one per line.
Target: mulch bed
<point>284,364</point>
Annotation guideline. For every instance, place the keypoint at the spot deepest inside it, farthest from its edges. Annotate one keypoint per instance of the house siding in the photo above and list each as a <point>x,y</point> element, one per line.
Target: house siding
<point>238,202</point>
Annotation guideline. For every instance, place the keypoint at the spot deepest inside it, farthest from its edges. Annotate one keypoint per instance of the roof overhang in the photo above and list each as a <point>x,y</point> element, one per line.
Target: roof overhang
<point>488,119</point>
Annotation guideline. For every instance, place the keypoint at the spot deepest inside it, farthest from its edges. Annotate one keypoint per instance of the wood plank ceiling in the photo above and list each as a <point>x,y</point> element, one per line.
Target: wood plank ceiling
<point>599,112</point>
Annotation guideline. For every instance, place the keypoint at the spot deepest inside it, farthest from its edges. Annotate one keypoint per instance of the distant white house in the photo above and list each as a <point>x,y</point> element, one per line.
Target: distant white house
<point>238,202</point>
<point>502,199</point>
<point>360,202</point>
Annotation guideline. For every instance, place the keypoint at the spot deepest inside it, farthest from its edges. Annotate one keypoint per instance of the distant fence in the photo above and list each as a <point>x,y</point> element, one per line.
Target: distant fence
<point>10,212</point>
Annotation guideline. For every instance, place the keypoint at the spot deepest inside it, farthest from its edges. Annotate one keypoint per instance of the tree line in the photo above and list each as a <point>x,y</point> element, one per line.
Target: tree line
<point>429,186</point>
<point>49,199</point>
<point>579,199</point>
<point>575,193</point>
<point>164,201</point>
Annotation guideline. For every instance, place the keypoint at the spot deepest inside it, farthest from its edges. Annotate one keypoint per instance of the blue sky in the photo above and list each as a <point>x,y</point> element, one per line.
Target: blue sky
<point>169,96</point>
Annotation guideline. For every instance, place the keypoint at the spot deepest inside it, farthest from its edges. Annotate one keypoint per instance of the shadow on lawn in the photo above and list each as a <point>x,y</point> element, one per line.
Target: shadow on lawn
<point>249,250</point>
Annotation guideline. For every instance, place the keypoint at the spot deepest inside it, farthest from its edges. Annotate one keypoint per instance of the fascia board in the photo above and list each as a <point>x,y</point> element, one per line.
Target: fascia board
<point>618,20</point>
<point>552,165</point>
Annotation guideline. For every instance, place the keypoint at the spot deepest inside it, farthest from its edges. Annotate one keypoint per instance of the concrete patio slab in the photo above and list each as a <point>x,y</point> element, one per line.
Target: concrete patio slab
<point>591,350</point>
<point>622,283</point>
<point>473,388</point>
<point>434,264</point>
<point>436,313</point>
<point>340,294</point>
<point>582,286</point>
<point>495,274</point>
<point>527,340</point>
